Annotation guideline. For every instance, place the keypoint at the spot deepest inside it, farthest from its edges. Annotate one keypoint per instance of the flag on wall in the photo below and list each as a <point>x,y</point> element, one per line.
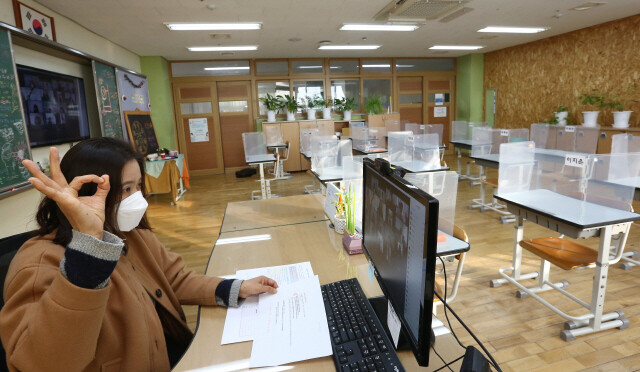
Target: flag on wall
<point>36,22</point>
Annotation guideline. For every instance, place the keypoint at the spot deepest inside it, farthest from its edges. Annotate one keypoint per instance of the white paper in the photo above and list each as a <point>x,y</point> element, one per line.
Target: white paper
<point>199,130</point>
<point>570,129</point>
<point>241,322</point>
<point>504,132</point>
<point>573,160</point>
<point>439,99</point>
<point>293,325</point>
<point>440,112</point>
<point>393,322</point>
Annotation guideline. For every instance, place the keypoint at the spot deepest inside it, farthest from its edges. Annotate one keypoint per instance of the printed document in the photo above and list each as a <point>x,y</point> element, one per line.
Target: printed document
<point>292,325</point>
<point>240,323</point>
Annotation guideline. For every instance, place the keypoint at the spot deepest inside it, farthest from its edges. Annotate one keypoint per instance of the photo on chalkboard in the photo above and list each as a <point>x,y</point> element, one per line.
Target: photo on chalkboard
<point>141,131</point>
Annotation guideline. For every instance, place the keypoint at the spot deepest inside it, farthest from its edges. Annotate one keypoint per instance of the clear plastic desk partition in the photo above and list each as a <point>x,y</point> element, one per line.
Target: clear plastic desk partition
<point>426,129</point>
<point>517,161</point>
<point>444,187</point>
<point>305,140</point>
<point>577,138</point>
<point>416,153</point>
<point>368,139</point>
<point>272,135</point>
<point>540,135</point>
<point>352,177</point>
<point>254,147</point>
<point>459,130</point>
<point>625,142</point>
<point>327,153</point>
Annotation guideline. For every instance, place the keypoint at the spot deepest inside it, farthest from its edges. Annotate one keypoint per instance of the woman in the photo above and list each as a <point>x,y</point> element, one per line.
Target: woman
<point>95,290</point>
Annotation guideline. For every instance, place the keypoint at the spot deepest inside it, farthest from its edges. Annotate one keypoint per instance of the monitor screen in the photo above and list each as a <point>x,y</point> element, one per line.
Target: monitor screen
<point>54,106</point>
<point>400,227</point>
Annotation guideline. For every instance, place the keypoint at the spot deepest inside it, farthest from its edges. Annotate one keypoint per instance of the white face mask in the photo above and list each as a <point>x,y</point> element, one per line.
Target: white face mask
<point>130,211</point>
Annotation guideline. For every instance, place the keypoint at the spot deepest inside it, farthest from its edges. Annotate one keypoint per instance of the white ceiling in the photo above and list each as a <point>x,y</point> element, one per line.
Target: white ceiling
<point>138,25</point>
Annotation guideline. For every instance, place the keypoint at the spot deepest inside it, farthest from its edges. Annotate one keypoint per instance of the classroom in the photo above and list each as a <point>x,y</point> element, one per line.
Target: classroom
<point>361,185</point>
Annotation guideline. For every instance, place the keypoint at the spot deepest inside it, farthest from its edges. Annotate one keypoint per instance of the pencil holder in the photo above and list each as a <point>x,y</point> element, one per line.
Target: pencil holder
<point>339,224</point>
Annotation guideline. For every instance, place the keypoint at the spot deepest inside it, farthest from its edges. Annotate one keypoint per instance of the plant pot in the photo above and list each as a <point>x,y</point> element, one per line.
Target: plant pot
<point>347,115</point>
<point>352,243</point>
<point>590,118</point>
<point>562,117</point>
<point>291,116</point>
<point>311,114</point>
<point>271,115</point>
<point>339,224</point>
<point>621,119</point>
<point>326,113</point>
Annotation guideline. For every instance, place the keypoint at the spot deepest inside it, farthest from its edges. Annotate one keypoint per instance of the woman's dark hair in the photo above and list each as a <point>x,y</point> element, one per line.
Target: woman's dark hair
<point>93,156</point>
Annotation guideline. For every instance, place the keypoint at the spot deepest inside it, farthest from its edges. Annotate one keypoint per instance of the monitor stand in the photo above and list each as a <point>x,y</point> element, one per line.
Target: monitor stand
<point>380,306</point>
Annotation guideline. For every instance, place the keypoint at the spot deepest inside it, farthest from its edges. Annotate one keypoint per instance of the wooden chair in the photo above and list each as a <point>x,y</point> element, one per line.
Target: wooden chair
<point>459,233</point>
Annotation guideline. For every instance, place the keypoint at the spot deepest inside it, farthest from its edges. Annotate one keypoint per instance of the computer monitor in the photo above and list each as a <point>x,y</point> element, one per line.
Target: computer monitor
<point>400,228</point>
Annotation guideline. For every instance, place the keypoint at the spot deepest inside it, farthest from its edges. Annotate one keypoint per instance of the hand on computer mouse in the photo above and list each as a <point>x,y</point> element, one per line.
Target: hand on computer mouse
<point>256,286</point>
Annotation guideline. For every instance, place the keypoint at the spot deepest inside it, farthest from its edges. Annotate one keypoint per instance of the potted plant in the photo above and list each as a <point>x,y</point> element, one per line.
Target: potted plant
<point>373,105</point>
<point>291,104</point>
<point>326,106</point>
<point>561,112</point>
<point>273,104</point>
<point>351,241</point>
<point>313,104</point>
<point>618,103</point>
<point>595,99</point>
<point>346,105</point>
<point>339,218</point>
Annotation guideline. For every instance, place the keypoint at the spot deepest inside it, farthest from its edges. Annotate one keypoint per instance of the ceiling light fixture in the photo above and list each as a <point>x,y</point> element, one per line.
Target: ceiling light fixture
<point>456,47</point>
<point>348,47</point>
<point>362,27</point>
<point>587,6</point>
<point>514,30</point>
<point>223,48</point>
<point>307,67</point>
<point>376,66</point>
<point>189,26</point>
<point>226,68</point>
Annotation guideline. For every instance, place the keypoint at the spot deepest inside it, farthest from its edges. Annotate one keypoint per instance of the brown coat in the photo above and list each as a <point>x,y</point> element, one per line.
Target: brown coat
<point>48,324</point>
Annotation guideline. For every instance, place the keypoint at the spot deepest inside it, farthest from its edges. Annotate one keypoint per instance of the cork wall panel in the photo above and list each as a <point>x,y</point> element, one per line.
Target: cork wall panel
<point>531,79</point>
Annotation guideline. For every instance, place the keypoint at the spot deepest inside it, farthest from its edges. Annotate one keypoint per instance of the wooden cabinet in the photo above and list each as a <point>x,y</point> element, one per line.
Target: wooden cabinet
<point>604,140</point>
<point>379,120</point>
<point>291,134</point>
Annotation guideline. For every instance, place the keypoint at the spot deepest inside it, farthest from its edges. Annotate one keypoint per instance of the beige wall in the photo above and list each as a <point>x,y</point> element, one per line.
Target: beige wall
<point>21,207</point>
<point>531,79</point>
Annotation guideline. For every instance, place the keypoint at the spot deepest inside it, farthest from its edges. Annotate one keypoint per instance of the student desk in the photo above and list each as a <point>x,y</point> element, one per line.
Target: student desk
<point>576,219</point>
<point>260,161</point>
<point>312,241</point>
<point>416,166</point>
<point>458,146</point>
<point>370,152</point>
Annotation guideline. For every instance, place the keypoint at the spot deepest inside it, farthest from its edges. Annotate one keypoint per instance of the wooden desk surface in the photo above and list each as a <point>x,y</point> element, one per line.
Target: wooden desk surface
<point>255,214</point>
<point>314,242</point>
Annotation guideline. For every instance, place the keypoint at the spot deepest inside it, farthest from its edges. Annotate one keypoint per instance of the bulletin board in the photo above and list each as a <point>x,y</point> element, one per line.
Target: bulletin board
<point>108,102</point>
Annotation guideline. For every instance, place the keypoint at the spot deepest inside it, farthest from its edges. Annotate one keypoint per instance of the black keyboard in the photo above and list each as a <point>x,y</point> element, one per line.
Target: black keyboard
<point>359,341</point>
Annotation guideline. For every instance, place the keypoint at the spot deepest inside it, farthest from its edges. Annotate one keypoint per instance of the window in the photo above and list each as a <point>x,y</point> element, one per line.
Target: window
<point>346,88</point>
<point>272,68</point>
<point>432,98</point>
<point>306,67</point>
<point>195,108</point>
<point>304,89</point>
<point>337,66</point>
<point>443,64</point>
<point>380,87</point>
<point>376,65</point>
<point>219,68</point>
<point>233,106</point>
<point>274,88</point>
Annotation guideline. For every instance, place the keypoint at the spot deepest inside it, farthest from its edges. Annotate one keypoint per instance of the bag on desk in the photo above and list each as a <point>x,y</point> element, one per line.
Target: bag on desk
<point>247,172</point>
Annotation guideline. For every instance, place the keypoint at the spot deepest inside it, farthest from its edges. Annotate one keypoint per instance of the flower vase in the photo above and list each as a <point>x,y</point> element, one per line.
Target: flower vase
<point>291,116</point>
<point>347,115</point>
<point>311,114</point>
<point>271,115</point>
<point>326,113</point>
<point>590,118</point>
<point>339,224</point>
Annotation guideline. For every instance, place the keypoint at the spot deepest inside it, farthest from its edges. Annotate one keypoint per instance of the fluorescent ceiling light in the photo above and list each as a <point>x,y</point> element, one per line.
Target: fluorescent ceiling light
<point>352,27</point>
<point>376,66</point>
<point>243,239</point>
<point>222,48</point>
<point>188,26</point>
<point>303,67</point>
<point>514,30</point>
<point>226,68</point>
<point>456,47</point>
<point>348,47</point>
<point>404,66</point>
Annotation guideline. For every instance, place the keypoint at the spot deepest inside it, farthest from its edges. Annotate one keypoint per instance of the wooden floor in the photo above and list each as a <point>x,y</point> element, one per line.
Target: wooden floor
<point>521,334</point>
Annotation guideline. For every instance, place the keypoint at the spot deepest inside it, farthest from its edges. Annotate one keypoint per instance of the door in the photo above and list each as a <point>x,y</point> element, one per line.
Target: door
<point>410,95</point>
<point>198,128</point>
<point>235,115</point>
<point>440,103</point>
<point>490,107</point>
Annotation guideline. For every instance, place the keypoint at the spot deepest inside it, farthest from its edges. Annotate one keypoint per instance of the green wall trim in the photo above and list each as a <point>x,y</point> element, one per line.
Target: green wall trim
<point>157,71</point>
<point>469,87</point>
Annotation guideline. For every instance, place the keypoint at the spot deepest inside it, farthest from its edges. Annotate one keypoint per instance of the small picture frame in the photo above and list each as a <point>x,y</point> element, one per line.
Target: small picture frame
<point>34,21</point>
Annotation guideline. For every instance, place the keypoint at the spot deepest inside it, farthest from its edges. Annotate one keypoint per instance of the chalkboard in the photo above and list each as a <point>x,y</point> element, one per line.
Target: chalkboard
<point>108,100</point>
<point>14,141</point>
<point>141,131</point>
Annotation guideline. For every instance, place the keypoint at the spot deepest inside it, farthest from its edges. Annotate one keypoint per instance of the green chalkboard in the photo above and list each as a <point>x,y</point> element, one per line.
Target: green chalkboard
<point>14,142</point>
<point>108,101</point>
<point>141,131</point>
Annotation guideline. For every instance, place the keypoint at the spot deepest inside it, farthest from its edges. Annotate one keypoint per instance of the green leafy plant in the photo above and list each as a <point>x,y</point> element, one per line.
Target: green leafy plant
<point>327,102</point>
<point>554,120</point>
<point>373,105</point>
<point>350,208</point>
<point>315,102</point>
<point>560,108</point>
<point>618,102</point>
<point>272,103</point>
<point>593,99</point>
<point>290,103</point>
<point>344,104</point>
